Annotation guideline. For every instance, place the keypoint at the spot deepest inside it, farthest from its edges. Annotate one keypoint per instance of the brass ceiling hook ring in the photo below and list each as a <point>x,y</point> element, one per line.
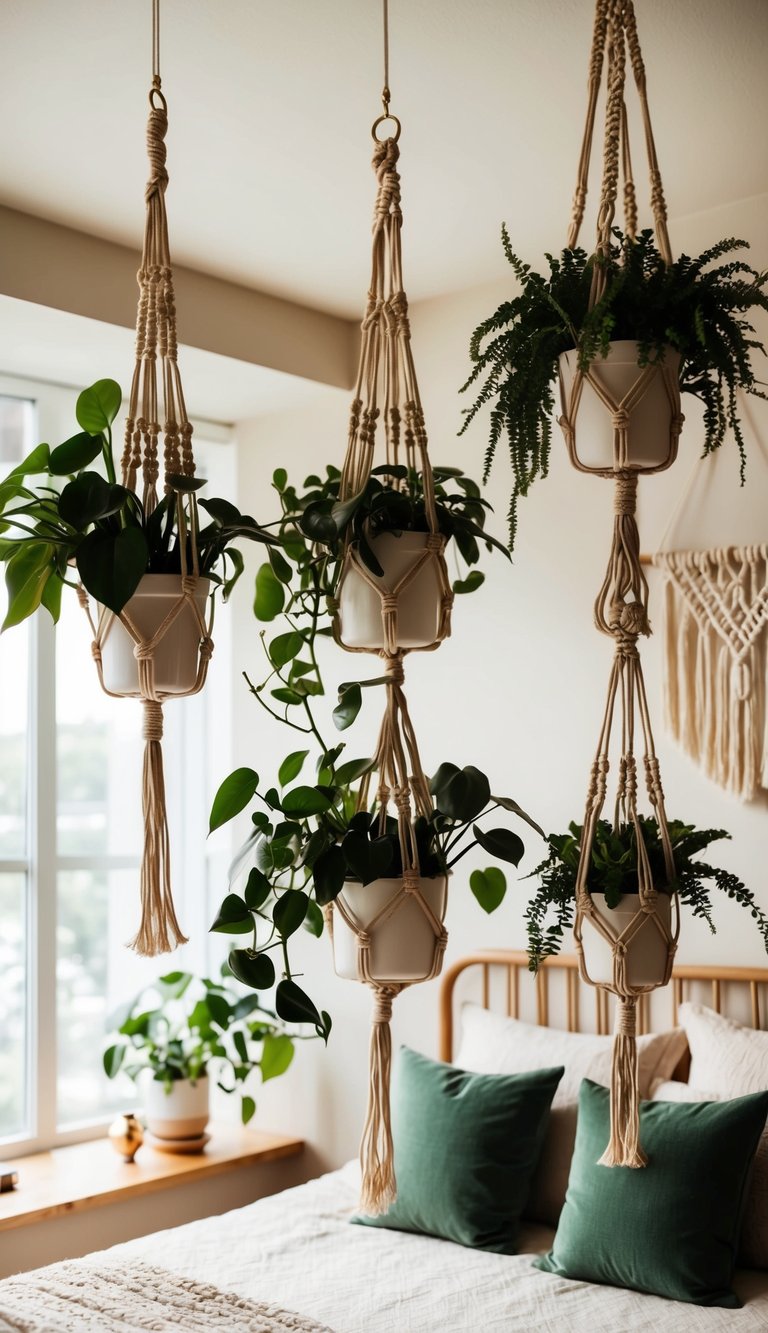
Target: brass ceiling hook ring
<point>379,121</point>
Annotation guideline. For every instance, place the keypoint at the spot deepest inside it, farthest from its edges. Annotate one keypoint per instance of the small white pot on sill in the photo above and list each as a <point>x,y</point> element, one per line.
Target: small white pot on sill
<point>647,951</point>
<point>403,946</point>
<point>650,427</point>
<point>419,605</point>
<point>176,656</point>
<point>181,1113</point>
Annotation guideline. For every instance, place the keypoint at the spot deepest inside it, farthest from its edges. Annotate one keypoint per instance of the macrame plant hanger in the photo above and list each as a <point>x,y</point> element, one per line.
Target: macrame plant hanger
<point>716,651</point>
<point>387,387</point>
<point>621,609</point>
<point>154,410</point>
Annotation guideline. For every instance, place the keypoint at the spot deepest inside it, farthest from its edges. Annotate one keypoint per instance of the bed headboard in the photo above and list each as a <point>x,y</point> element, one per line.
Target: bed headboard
<point>500,980</point>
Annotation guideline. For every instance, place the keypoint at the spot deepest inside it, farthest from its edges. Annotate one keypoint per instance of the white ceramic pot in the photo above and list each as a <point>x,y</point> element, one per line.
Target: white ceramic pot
<point>181,1113</point>
<point>647,951</point>
<point>176,656</point>
<point>403,946</point>
<point>419,608</point>
<point>650,428</point>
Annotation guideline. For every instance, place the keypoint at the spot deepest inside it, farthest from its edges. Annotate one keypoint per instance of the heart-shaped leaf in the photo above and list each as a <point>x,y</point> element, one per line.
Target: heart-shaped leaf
<point>294,1005</point>
<point>500,842</point>
<point>111,565</point>
<point>289,912</point>
<point>276,1055</point>
<point>489,887</point>
<point>254,969</point>
<point>284,648</point>
<point>84,499</point>
<point>328,875</point>
<point>233,911</point>
<point>303,801</point>
<point>98,406</point>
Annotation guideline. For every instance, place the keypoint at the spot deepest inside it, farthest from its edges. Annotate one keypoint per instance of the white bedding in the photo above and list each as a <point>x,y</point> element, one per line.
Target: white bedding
<point>298,1250</point>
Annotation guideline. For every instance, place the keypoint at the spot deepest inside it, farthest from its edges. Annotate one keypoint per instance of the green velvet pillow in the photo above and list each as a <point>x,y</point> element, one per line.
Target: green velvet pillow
<point>466,1146</point>
<point>672,1227</point>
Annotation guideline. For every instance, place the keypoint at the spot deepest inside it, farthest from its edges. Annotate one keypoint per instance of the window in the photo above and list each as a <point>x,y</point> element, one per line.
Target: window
<point>71,831</point>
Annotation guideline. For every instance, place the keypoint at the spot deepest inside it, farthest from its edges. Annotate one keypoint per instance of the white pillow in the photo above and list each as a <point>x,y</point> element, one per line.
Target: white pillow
<point>493,1044</point>
<point>753,1245</point>
<point>726,1058</point>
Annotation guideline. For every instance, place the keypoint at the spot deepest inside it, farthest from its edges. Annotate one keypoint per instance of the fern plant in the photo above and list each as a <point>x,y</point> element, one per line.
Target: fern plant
<point>699,307</point>
<point>613,871</point>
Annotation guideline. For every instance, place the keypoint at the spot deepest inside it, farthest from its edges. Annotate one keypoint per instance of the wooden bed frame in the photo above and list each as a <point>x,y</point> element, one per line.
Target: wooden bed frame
<point>716,987</point>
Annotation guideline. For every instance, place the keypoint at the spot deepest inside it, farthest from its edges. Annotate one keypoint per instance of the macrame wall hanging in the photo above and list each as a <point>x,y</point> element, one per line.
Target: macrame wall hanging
<point>621,609</point>
<point>389,934</point>
<point>159,646</point>
<point>716,655</point>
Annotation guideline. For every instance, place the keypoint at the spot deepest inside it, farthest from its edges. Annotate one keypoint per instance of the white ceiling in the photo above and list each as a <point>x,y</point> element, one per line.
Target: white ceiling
<point>271,106</point>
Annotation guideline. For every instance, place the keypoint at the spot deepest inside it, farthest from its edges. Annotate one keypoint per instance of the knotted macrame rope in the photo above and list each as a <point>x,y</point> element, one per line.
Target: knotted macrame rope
<point>621,608</point>
<point>387,389</point>
<point>402,784</point>
<point>152,410</point>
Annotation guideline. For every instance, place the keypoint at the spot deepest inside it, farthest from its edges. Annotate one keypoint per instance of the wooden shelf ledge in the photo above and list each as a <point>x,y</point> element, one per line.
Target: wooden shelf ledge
<point>85,1175</point>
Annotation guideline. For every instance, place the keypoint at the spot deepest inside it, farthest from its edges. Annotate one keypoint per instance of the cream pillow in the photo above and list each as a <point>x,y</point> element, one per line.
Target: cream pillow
<point>753,1245</point>
<point>726,1058</point>
<point>493,1044</point>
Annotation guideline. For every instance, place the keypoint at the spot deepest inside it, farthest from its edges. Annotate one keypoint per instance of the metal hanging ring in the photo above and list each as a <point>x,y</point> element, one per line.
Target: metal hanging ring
<point>380,121</point>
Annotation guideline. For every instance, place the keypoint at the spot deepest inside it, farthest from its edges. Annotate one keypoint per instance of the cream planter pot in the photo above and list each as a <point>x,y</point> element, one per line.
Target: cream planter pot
<point>647,952</point>
<point>176,656</point>
<point>403,946</point>
<point>418,605</point>
<point>181,1113</point>
<point>650,420</point>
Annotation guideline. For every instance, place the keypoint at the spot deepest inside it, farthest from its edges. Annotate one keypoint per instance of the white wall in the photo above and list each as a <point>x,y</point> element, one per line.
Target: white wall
<point>518,689</point>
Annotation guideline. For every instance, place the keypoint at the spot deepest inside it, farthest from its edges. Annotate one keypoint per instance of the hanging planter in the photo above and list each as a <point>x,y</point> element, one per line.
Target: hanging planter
<point>641,934</point>
<point>628,414</point>
<point>406,604</point>
<point>143,618</point>
<point>390,932</point>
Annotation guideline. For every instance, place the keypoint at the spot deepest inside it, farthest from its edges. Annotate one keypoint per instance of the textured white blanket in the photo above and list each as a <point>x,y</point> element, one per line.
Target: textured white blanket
<point>81,1297</point>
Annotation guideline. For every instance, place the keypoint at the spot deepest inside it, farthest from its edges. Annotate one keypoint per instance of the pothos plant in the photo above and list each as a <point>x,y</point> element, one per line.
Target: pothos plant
<point>187,1027</point>
<point>613,872</point>
<point>76,522</point>
<point>308,837</point>
<point>698,307</point>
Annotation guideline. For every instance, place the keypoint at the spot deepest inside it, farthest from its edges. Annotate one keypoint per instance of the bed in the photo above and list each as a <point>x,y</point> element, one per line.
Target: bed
<point>292,1261</point>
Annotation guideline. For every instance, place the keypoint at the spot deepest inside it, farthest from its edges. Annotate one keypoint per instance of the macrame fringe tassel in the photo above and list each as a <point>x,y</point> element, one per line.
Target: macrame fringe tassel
<point>624,1144</point>
<point>379,1187</point>
<point>159,931</point>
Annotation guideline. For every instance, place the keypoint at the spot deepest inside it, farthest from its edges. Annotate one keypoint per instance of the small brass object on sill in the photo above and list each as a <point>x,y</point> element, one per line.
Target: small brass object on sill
<point>126,1135</point>
<point>9,1179</point>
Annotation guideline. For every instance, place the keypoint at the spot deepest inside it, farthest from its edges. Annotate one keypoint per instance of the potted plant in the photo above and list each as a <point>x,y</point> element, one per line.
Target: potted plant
<point>377,542</point>
<point>613,885</point>
<point>182,1030</point>
<point>693,312</point>
<point>76,523</point>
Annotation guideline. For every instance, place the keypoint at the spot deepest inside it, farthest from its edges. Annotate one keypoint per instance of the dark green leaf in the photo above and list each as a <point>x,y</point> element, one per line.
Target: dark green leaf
<point>294,1005</point>
<point>234,909</point>
<point>257,889</point>
<point>221,510</point>
<point>352,769</point>
<point>285,647</point>
<point>221,1010</point>
<point>473,581</point>
<point>98,406</point>
<point>313,921</point>
<point>317,523</point>
<point>254,969</point>
<point>51,598</point>
<point>111,565</point>
<point>84,500</point>
<point>328,875</point>
<point>247,1109</point>
<point>349,705</point>
<point>303,801</point>
<point>291,767</point>
<point>75,454</point>
<point>270,596</point>
<point>279,478</point>
<point>464,795</point>
<point>280,567</point>
<point>233,796</point>
<point>289,912</point>
<point>507,803</point>
<point>500,842</point>
<point>489,887</point>
<point>113,1060</point>
<point>287,696</point>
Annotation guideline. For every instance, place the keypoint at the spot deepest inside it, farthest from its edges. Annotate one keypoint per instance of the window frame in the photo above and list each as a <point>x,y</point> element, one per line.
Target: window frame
<point>53,415</point>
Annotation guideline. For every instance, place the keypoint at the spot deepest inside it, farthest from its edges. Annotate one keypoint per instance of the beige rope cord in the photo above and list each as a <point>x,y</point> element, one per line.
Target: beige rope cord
<point>621,609</point>
<point>401,783</point>
<point>387,388</point>
<point>615,34</point>
<point>159,930</point>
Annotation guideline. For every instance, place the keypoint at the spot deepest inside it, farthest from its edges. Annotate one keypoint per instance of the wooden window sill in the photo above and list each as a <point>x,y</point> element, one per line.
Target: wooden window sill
<point>85,1175</point>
